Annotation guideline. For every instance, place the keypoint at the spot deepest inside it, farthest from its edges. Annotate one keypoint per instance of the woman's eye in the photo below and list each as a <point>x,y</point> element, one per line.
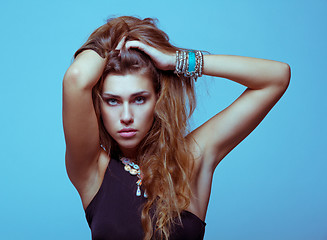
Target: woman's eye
<point>112,101</point>
<point>139,100</point>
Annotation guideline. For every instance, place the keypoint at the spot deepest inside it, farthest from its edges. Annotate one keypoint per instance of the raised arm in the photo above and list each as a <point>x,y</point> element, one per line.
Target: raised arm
<point>266,81</point>
<point>79,119</point>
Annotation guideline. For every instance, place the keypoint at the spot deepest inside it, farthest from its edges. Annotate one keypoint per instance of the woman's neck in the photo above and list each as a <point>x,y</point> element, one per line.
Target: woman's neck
<point>129,153</point>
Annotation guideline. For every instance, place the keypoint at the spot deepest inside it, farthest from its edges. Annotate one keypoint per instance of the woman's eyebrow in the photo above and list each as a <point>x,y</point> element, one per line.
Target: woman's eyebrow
<point>140,93</point>
<point>111,95</point>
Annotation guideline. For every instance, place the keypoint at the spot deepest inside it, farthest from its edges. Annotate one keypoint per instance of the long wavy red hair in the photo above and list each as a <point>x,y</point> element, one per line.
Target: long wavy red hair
<point>165,160</point>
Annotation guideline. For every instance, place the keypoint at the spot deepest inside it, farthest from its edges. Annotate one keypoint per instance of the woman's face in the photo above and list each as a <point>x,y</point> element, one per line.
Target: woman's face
<point>127,109</point>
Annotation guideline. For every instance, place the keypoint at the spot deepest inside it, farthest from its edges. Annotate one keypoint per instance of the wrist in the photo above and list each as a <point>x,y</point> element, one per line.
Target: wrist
<point>189,63</point>
<point>172,61</point>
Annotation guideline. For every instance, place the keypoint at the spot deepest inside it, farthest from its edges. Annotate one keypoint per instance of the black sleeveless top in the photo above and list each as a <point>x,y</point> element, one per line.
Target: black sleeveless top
<point>115,211</point>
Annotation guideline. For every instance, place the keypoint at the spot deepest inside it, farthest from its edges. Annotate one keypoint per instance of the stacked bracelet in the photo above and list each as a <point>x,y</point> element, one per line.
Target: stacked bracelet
<point>189,64</point>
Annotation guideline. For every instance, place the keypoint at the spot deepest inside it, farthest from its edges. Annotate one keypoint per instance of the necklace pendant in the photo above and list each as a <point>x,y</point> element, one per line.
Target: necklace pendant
<point>127,168</point>
<point>138,191</point>
<point>135,166</point>
<point>126,161</point>
<point>133,171</point>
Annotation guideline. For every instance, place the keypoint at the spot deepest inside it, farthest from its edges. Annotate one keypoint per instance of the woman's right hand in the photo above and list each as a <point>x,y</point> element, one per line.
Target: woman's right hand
<point>162,60</point>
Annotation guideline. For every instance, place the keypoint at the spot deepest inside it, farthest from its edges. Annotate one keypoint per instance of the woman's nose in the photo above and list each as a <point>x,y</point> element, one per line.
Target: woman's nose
<point>127,116</point>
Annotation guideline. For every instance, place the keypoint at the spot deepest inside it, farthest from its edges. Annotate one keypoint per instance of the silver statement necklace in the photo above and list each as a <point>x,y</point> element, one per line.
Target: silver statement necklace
<point>134,169</point>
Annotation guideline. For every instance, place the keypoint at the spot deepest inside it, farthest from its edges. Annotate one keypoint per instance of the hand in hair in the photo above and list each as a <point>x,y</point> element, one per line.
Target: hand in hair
<point>120,44</point>
<point>162,60</point>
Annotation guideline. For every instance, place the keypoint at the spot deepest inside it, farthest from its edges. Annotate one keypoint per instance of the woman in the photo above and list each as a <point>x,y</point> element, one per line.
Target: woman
<point>139,173</point>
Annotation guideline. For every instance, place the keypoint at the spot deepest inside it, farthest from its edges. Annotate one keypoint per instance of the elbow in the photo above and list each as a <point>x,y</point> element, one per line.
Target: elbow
<point>72,76</point>
<point>73,79</point>
<point>286,75</point>
<point>283,76</point>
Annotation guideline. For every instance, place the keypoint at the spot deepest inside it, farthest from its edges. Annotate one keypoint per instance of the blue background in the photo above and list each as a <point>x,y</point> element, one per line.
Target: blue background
<point>272,186</point>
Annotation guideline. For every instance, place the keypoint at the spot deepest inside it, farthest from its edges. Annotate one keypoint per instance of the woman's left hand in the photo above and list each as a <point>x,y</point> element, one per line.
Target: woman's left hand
<point>162,60</point>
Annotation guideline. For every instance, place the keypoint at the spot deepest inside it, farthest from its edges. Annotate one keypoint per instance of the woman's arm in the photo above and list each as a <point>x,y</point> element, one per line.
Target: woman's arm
<point>253,73</point>
<point>266,81</point>
<point>79,119</point>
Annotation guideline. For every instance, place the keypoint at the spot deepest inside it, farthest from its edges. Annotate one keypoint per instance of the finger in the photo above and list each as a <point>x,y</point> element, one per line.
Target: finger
<point>121,44</point>
<point>143,47</point>
<point>134,44</point>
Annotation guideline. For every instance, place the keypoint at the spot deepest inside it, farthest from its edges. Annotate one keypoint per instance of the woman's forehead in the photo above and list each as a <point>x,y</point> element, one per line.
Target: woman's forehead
<point>128,83</point>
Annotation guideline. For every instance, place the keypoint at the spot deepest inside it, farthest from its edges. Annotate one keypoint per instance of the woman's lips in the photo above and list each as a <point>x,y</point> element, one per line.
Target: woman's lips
<point>127,133</point>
